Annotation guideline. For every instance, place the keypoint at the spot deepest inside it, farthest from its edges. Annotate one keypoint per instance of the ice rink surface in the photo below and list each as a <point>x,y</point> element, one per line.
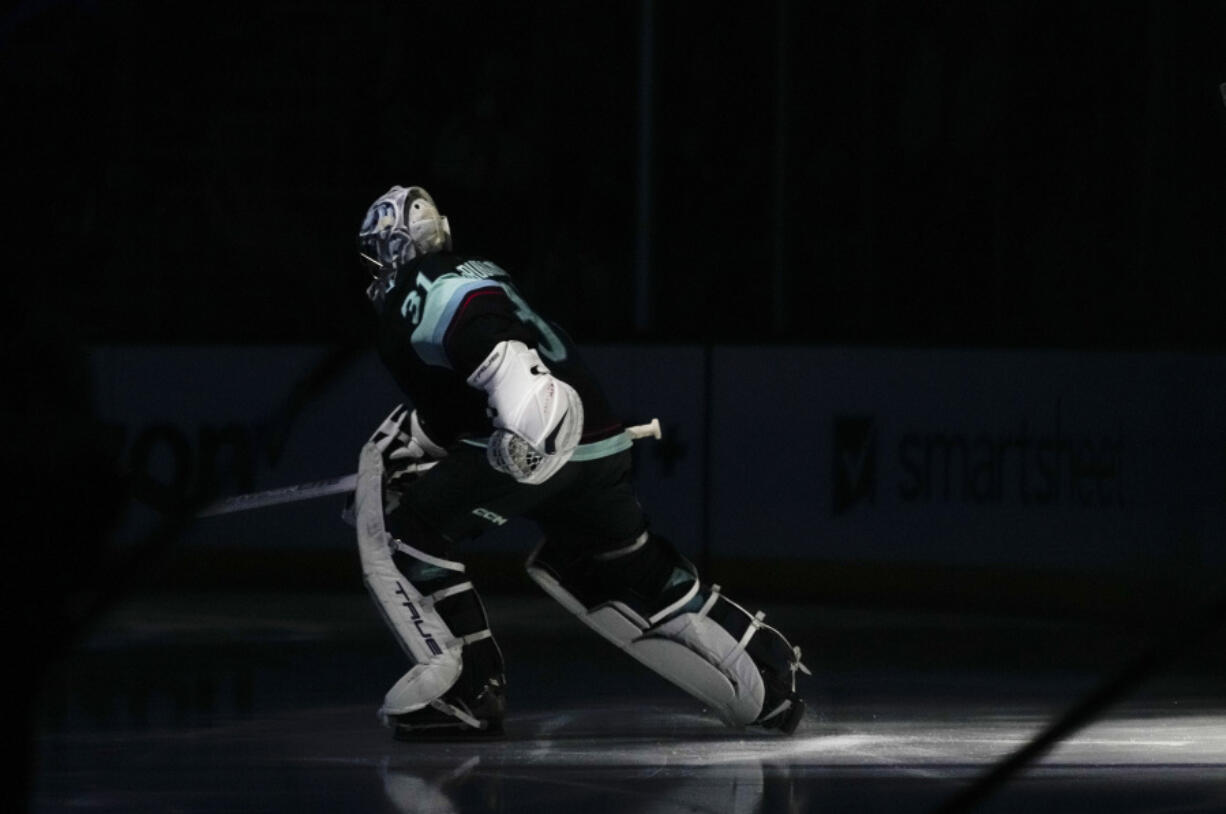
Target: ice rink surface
<point>264,703</point>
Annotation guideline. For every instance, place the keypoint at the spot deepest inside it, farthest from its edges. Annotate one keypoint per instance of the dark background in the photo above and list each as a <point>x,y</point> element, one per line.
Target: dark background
<point>1041,174</point>
<point>1038,175</point>
<point>965,174</point>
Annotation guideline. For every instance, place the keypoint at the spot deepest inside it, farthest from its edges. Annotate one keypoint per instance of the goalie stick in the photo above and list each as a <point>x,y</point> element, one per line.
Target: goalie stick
<point>345,483</point>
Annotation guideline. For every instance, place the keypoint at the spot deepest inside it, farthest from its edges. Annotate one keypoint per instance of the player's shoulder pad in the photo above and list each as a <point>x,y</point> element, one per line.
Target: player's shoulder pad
<point>456,281</point>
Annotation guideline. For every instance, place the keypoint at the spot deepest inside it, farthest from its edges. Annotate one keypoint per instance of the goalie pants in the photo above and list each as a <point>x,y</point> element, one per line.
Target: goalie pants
<point>586,508</point>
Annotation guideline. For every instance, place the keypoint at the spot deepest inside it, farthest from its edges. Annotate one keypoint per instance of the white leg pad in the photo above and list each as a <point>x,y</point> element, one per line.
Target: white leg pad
<point>420,686</point>
<point>417,626</point>
<point>692,651</point>
<point>702,658</point>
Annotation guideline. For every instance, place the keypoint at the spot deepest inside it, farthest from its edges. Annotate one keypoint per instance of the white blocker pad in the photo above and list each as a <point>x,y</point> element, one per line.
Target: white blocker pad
<point>538,418</point>
<point>420,630</point>
<point>691,650</point>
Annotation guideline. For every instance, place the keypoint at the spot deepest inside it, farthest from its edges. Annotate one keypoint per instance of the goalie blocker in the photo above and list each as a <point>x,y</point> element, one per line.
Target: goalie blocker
<point>647,599</point>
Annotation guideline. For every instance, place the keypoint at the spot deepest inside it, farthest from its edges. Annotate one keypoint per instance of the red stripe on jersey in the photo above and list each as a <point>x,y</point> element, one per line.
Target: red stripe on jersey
<point>459,312</point>
<point>480,292</point>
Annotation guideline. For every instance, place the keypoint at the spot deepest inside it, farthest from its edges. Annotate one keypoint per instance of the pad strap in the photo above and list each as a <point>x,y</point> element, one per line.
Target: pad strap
<point>710,603</point>
<point>661,615</point>
<point>750,630</point>
<point>441,594</point>
<point>418,554</point>
<point>622,552</point>
<point>456,712</point>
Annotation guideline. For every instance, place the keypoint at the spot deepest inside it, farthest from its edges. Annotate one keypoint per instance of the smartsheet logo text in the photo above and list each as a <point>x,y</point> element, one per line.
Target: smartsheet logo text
<point>1032,461</point>
<point>855,461</point>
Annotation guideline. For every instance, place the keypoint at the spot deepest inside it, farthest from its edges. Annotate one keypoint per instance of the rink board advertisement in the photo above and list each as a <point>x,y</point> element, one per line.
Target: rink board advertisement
<point>1028,459</point>
<point>193,420</point>
<point>1037,459</point>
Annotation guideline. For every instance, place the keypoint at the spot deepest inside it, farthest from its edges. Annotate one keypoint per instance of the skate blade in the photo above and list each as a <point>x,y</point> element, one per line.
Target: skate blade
<point>794,713</point>
<point>446,731</point>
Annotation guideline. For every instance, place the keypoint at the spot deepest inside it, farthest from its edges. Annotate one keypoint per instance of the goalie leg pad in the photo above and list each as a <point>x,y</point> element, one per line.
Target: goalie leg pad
<point>697,639</point>
<point>418,594</point>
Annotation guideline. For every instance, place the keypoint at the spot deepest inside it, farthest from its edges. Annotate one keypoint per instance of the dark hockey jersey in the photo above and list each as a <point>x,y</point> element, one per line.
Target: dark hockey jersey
<point>441,315</point>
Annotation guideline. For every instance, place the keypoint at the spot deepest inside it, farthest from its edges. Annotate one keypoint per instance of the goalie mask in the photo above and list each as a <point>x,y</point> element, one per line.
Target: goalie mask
<point>402,224</point>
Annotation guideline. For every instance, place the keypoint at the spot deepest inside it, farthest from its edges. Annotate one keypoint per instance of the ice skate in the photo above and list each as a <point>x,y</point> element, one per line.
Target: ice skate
<point>452,717</point>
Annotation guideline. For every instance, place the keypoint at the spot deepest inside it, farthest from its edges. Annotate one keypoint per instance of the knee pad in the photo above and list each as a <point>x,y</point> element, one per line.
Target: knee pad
<point>432,609</point>
<point>647,599</point>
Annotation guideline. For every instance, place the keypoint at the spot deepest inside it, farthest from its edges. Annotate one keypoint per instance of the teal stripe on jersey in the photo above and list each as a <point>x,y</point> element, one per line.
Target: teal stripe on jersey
<point>442,301</point>
<point>602,449</point>
<point>583,452</point>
